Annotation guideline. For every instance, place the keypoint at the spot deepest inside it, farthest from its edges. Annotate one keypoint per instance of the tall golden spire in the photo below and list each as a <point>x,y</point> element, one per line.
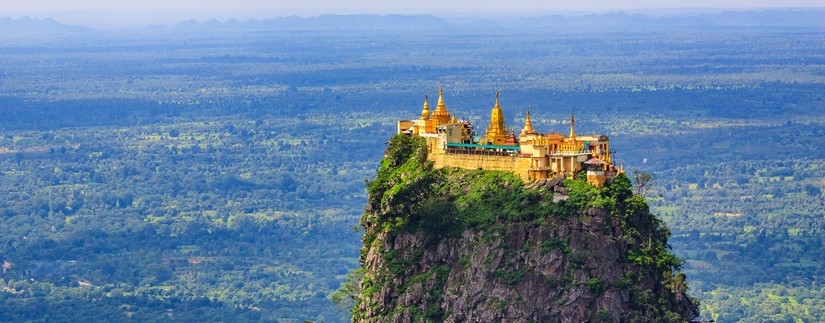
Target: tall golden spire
<point>425,113</point>
<point>441,115</point>
<point>497,118</point>
<point>572,123</point>
<point>528,124</point>
<point>497,131</point>
<point>440,98</point>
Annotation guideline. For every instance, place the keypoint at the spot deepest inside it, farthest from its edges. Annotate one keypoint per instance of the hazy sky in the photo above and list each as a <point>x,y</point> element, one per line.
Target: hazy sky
<point>400,6</point>
<point>99,11</point>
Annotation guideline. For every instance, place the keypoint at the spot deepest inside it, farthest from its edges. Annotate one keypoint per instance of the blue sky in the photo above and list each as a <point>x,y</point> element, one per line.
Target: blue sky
<point>160,11</point>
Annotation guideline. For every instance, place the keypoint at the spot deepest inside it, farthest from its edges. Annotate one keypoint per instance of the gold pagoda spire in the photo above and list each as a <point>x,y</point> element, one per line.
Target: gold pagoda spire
<point>440,104</point>
<point>497,125</point>
<point>425,113</point>
<point>528,124</point>
<point>441,115</point>
<point>497,131</point>
<point>572,124</point>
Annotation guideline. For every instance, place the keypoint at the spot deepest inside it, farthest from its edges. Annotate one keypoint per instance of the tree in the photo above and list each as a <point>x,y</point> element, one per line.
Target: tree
<point>677,284</point>
<point>349,291</point>
<point>643,182</point>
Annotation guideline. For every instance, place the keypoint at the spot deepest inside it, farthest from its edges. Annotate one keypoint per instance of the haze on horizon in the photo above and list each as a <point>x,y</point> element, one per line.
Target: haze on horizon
<point>123,12</point>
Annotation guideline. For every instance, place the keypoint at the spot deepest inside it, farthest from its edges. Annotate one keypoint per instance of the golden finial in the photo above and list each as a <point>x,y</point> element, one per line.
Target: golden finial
<point>425,113</point>
<point>572,124</point>
<point>440,97</point>
<point>441,115</point>
<point>454,120</point>
<point>528,123</point>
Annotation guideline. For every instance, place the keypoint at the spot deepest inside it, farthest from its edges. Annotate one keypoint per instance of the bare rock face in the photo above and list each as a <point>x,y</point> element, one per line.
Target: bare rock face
<point>482,246</point>
<point>565,270</point>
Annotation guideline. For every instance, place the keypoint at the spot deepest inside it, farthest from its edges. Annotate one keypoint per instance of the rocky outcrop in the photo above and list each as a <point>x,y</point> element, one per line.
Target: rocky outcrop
<point>596,256</point>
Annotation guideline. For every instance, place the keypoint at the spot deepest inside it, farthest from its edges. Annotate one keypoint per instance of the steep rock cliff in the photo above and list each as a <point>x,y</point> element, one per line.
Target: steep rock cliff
<point>481,246</point>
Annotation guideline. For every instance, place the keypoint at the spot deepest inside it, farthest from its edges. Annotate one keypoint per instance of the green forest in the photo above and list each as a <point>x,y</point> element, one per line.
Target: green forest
<point>221,176</point>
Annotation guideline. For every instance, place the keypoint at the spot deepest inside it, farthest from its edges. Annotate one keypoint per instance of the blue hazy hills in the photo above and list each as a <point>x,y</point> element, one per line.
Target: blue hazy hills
<point>767,18</point>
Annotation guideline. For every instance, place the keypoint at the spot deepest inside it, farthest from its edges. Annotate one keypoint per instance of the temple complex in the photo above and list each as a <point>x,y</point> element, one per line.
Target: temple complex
<point>531,155</point>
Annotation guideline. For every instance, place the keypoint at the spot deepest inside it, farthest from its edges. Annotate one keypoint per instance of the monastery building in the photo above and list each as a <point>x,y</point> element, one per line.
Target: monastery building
<point>529,154</point>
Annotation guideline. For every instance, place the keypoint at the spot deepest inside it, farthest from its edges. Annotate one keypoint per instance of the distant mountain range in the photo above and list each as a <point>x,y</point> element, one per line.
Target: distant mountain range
<point>28,25</point>
<point>766,18</point>
<point>770,18</point>
<point>322,22</point>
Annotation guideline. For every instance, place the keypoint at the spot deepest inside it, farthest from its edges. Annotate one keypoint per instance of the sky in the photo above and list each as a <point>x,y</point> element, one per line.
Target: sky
<point>170,11</point>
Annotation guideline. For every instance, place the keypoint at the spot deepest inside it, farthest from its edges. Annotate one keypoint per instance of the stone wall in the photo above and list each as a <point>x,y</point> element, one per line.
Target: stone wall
<point>516,165</point>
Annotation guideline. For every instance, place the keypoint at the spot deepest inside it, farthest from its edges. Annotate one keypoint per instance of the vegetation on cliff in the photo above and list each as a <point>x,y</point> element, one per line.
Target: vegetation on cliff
<point>483,245</point>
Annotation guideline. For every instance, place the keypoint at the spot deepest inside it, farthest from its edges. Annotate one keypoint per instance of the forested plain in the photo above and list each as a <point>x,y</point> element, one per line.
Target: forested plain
<point>219,175</point>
